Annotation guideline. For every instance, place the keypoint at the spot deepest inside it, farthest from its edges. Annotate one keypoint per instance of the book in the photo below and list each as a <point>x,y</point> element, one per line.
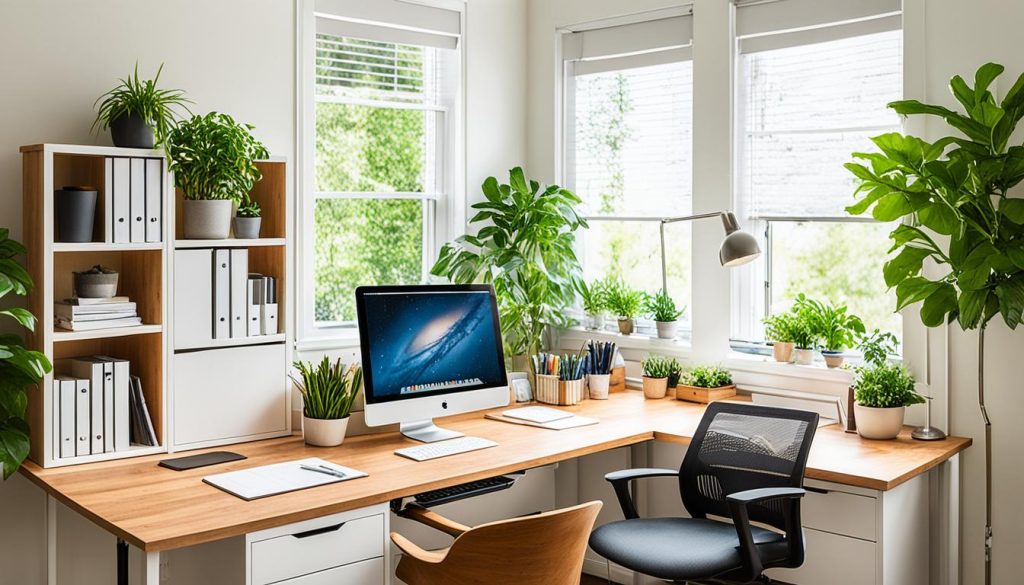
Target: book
<point>93,325</point>
<point>69,310</point>
<point>96,301</point>
<point>90,317</point>
<point>147,434</point>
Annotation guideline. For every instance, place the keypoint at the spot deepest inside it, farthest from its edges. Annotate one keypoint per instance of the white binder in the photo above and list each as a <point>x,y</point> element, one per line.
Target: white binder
<point>120,191</point>
<point>66,402</point>
<point>239,288</point>
<point>116,371</point>
<point>221,293</point>
<point>137,202</point>
<point>83,414</point>
<point>91,370</point>
<point>255,298</point>
<point>154,199</point>
<point>193,290</point>
<point>108,194</point>
<point>269,306</point>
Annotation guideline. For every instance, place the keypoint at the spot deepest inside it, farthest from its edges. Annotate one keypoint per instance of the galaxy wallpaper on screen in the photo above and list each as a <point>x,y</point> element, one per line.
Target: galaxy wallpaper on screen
<point>429,342</point>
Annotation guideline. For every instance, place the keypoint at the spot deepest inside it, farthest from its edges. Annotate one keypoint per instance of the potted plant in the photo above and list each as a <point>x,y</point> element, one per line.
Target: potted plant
<point>247,220</point>
<point>804,337</point>
<point>595,302</point>
<point>656,370</point>
<point>328,392</point>
<point>626,302</point>
<point>666,314</point>
<point>780,329</point>
<point>138,113</point>
<point>704,383</point>
<point>19,367</point>
<point>882,393</point>
<point>214,163</point>
<point>675,372</point>
<point>837,329</point>
<point>525,248</point>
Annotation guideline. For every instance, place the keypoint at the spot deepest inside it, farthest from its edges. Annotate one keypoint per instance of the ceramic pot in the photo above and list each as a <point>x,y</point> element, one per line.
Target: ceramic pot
<point>131,131</point>
<point>879,423</point>
<point>626,326</point>
<point>803,357</point>
<point>207,219</point>
<point>247,228</point>
<point>655,388</point>
<point>782,351</point>
<point>95,286</point>
<point>324,432</point>
<point>598,384</point>
<point>595,322</point>
<point>833,359</point>
<point>667,329</point>
<point>75,210</point>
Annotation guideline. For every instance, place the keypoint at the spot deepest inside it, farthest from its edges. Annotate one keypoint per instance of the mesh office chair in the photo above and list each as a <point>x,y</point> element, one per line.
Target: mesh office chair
<point>745,463</point>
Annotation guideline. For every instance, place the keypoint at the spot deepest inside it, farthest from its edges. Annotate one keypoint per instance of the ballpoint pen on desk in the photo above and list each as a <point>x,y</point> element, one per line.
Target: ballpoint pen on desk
<point>325,470</point>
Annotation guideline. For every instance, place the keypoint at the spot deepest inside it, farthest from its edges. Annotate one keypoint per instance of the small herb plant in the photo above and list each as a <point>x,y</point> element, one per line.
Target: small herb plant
<point>595,296</point>
<point>706,376</point>
<point>663,308</point>
<point>214,157</point>
<point>625,301</point>
<point>885,386</point>
<point>833,325</point>
<point>141,97</point>
<point>781,327</point>
<point>876,347</point>
<point>328,389</point>
<point>656,366</point>
<point>675,372</point>
<point>248,208</point>
<point>803,332</point>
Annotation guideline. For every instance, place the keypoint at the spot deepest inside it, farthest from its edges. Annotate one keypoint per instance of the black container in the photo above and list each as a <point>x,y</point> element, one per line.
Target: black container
<point>131,131</point>
<point>75,210</point>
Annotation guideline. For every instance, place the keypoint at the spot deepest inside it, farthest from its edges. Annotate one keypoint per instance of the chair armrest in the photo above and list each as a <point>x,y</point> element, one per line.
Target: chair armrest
<point>620,482</point>
<point>433,520</point>
<point>412,550</point>
<point>738,503</point>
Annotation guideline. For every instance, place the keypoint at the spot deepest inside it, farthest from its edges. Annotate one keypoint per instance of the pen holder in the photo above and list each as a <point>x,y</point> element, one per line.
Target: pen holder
<point>598,386</point>
<point>551,390</point>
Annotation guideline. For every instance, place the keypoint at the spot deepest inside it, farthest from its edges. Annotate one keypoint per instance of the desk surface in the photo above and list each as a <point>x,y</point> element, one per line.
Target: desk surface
<point>157,509</point>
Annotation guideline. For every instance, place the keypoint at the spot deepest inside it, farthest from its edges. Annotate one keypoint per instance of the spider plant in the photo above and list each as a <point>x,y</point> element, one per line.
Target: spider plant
<point>155,107</point>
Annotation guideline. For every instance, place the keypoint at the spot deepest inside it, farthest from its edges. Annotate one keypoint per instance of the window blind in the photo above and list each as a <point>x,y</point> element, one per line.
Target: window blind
<point>759,17</point>
<point>369,68</point>
<point>623,46</point>
<point>397,21</point>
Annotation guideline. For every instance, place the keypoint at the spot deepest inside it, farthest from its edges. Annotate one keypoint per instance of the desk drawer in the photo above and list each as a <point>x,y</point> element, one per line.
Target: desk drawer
<point>832,559</point>
<point>369,572</point>
<point>329,544</point>
<point>840,513</point>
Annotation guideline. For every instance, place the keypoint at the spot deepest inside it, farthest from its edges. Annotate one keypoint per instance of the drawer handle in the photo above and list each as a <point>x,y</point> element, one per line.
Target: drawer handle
<point>816,490</point>
<point>318,531</point>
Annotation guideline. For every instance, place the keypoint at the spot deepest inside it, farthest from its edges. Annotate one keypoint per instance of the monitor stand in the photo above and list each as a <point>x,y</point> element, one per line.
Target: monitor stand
<point>427,432</point>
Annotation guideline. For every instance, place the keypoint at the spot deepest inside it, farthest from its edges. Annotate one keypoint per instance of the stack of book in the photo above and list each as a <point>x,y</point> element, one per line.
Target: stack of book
<point>80,314</point>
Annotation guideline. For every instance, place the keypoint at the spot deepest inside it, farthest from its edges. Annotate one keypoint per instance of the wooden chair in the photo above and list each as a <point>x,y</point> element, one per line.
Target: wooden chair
<point>544,549</point>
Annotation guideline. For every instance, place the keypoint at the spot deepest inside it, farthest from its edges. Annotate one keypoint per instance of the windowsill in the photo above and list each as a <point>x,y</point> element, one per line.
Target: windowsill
<point>636,342</point>
<point>757,364</point>
<point>341,339</point>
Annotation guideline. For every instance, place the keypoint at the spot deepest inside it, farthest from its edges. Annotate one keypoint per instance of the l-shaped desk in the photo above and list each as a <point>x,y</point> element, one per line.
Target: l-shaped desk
<point>156,509</point>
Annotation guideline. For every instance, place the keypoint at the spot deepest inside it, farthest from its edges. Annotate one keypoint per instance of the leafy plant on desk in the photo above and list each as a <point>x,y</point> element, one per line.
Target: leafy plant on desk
<point>524,246</point>
<point>214,157</point>
<point>704,376</point>
<point>885,386</point>
<point>656,366</point>
<point>19,367</point>
<point>328,389</point>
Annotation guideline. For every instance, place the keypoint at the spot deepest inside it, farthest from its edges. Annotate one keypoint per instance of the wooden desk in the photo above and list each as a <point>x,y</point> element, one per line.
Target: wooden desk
<point>158,509</point>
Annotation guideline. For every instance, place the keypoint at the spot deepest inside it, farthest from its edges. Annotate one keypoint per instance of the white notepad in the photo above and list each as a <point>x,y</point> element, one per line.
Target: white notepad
<point>537,414</point>
<point>279,478</point>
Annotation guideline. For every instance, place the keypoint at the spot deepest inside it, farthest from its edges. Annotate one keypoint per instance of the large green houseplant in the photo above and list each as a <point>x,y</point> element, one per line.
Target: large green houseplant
<point>956,187</point>
<point>524,247</point>
<point>19,367</point>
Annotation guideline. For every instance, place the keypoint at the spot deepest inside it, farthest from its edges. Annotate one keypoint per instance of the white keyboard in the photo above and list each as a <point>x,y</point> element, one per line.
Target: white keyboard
<point>429,451</point>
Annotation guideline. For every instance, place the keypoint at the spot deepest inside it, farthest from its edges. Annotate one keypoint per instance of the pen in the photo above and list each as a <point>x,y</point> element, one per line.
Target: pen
<point>324,470</point>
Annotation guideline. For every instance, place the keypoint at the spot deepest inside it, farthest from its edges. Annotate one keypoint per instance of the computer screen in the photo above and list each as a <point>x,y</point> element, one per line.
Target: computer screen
<point>427,340</point>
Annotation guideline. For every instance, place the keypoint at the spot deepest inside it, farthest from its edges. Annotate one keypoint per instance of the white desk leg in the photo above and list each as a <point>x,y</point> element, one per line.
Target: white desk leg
<point>51,540</point>
<point>151,569</point>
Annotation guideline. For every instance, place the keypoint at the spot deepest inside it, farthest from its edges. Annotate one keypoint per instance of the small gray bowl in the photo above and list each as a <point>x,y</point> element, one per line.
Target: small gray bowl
<point>91,285</point>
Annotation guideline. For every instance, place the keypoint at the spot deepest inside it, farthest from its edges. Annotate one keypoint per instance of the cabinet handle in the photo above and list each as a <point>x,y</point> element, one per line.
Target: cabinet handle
<point>318,531</point>
<point>816,490</point>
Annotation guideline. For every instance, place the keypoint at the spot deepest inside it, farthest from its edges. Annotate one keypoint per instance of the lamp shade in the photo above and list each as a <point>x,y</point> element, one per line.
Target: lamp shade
<point>738,247</point>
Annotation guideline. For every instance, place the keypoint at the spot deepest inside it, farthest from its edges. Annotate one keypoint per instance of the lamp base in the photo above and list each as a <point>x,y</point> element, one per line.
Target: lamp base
<point>927,433</point>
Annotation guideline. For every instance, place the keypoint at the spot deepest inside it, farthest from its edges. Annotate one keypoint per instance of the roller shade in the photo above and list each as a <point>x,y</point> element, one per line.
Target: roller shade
<point>625,46</point>
<point>758,17</point>
<point>395,21</point>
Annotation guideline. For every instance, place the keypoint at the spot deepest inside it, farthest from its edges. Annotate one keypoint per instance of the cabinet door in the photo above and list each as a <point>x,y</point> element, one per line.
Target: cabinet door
<point>230,393</point>
<point>369,572</point>
<point>832,559</point>
<point>193,298</point>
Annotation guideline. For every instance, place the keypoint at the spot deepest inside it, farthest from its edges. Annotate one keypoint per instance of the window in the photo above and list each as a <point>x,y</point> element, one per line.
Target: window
<point>381,147</point>
<point>628,136</point>
<point>806,100</point>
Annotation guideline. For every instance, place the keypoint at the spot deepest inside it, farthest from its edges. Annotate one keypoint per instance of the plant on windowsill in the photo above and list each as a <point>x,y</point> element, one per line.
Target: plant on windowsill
<point>627,303</point>
<point>328,392</point>
<point>595,302</point>
<point>836,328</point>
<point>139,114</point>
<point>656,370</point>
<point>805,339</point>
<point>957,187</point>
<point>248,220</point>
<point>213,159</point>
<point>781,330</point>
<point>526,249</point>
<point>666,314</point>
<point>19,367</point>
<point>705,383</point>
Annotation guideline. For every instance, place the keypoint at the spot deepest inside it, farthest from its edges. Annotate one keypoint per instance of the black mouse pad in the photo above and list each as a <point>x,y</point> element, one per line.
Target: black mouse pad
<point>201,460</point>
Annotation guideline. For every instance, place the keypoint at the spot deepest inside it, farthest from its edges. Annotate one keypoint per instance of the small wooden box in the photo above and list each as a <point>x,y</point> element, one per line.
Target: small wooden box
<point>617,381</point>
<point>551,390</point>
<point>704,395</point>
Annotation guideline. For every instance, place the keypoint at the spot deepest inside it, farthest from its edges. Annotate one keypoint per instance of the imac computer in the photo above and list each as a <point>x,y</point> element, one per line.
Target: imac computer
<point>428,351</point>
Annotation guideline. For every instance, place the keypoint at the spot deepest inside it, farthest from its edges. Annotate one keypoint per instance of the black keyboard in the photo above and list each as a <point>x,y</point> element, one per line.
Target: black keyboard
<point>465,490</point>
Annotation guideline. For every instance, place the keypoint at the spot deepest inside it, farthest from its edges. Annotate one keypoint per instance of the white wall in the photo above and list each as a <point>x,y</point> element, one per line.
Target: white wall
<point>235,56</point>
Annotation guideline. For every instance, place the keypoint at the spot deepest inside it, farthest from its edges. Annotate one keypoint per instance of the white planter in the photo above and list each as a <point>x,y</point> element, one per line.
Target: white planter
<point>803,357</point>
<point>879,423</point>
<point>207,219</point>
<point>323,432</point>
<point>667,329</point>
<point>598,384</point>
<point>595,322</point>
